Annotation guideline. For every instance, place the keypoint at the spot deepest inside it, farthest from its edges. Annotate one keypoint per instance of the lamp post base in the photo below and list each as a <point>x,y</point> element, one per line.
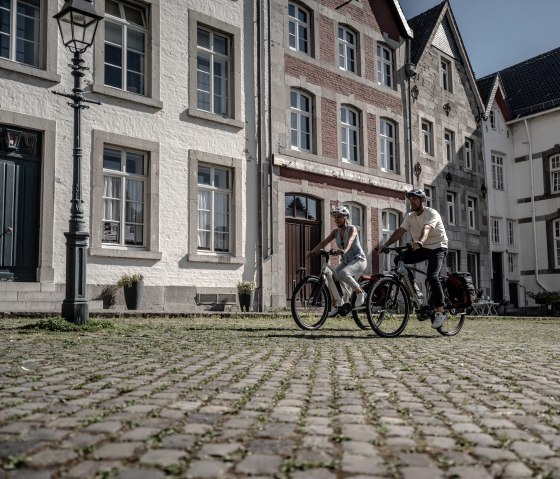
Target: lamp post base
<point>75,312</point>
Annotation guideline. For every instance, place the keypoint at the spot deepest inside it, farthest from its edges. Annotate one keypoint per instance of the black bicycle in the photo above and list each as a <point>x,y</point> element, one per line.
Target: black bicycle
<point>392,298</point>
<point>311,299</point>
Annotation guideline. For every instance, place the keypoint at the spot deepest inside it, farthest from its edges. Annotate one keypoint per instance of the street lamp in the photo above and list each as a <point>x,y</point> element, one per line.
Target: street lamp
<point>77,21</point>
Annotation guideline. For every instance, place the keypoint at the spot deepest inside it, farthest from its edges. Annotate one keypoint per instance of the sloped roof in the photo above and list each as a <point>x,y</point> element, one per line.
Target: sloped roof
<point>423,25</point>
<point>485,86</point>
<point>532,86</point>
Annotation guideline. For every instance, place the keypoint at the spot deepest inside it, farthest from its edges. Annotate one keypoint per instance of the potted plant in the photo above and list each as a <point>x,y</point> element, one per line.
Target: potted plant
<point>245,293</point>
<point>133,288</point>
<point>549,298</point>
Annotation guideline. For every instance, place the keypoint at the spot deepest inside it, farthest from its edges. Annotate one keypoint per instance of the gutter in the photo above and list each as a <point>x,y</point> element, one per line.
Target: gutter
<point>533,215</point>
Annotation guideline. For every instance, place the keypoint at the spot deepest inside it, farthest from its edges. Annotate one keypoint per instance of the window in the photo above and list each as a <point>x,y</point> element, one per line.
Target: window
<point>215,69</point>
<point>349,135</point>
<point>556,242</point>
<point>298,28</point>
<point>214,207</point>
<point>427,137</point>
<point>451,201</point>
<point>125,46</point>
<point>20,31</point>
<point>347,49</point>
<point>213,72</point>
<point>384,66</point>
<point>555,174</point>
<point>468,149</point>
<point>299,206</point>
<point>429,190</point>
<point>497,172</point>
<point>511,262</point>
<point>511,232</point>
<point>446,75</point>
<point>452,261</point>
<point>495,230</point>
<point>357,219</point>
<point>127,51</point>
<point>472,267</point>
<point>387,145</point>
<point>492,120</point>
<point>449,145</point>
<point>300,120</point>
<point>389,223</point>
<point>124,197</point>
<point>471,212</point>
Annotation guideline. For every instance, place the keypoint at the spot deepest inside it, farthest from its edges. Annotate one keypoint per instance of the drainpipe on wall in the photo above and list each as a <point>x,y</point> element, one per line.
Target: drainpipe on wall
<point>534,221</point>
<point>410,72</point>
<point>270,154</point>
<point>260,153</point>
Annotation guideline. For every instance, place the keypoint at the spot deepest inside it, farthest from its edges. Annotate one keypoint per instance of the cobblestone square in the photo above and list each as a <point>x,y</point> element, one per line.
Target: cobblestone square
<point>255,397</point>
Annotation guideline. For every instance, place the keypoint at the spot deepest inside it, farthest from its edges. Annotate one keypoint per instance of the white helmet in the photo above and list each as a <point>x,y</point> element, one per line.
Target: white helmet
<point>341,210</point>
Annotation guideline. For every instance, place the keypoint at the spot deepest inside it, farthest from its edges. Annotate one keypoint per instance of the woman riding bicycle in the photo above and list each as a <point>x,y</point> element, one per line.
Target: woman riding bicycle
<point>429,242</point>
<point>353,260</point>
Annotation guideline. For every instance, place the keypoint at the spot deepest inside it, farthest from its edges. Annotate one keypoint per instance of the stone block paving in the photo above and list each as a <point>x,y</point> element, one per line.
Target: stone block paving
<point>255,397</point>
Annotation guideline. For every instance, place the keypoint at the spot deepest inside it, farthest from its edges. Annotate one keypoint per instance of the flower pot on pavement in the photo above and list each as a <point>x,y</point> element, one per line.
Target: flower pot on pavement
<point>245,301</point>
<point>133,295</point>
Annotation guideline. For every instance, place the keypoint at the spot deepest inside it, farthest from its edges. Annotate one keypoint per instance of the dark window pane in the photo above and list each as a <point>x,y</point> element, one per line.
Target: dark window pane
<point>113,33</point>
<point>203,175</point>
<point>135,41</point>
<point>5,20</point>
<point>4,46</point>
<point>27,52</point>
<point>112,8</point>
<point>133,15</point>
<point>135,62</point>
<point>113,76</point>
<point>113,55</point>
<point>135,83</point>
<point>112,159</point>
<point>134,163</point>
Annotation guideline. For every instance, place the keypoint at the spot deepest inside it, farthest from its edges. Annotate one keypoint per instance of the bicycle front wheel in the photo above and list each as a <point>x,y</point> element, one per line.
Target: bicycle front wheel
<point>387,307</point>
<point>310,303</point>
<point>358,314</point>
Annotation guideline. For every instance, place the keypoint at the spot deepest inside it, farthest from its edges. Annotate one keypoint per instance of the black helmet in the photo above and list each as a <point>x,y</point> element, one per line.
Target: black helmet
<point>416,192</point>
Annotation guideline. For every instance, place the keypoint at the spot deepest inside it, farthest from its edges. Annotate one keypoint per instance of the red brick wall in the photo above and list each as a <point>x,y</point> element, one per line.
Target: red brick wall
<point>327,43</point>
<point>370,68</point>
<point>372,143</point>
<point>329,124</point>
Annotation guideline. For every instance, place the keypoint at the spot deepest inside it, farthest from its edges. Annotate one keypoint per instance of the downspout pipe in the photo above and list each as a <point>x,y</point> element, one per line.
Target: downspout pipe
<point>533,215</point>
<point>270,154</point>
<point>410,72</point>
<point>260,153</point>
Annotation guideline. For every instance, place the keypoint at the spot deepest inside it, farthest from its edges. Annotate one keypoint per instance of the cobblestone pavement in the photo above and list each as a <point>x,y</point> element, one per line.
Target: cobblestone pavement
<point>233,398</point>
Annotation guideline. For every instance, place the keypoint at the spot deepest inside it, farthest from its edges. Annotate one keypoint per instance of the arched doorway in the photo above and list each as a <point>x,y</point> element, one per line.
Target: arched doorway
<point>303,232</point>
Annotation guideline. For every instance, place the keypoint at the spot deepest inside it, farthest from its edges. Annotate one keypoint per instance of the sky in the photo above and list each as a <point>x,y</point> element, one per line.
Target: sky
<point>499,33</point>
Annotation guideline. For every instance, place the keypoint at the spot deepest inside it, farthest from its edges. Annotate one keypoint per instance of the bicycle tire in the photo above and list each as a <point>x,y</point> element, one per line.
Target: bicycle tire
<point>454,323</point>
<point>360,322</point>
<point>388,307</point>
<point>310,303</point>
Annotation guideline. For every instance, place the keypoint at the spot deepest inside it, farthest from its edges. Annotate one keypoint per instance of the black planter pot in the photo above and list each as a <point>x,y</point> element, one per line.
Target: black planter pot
<point>133,295</point>
<point>245,301</point>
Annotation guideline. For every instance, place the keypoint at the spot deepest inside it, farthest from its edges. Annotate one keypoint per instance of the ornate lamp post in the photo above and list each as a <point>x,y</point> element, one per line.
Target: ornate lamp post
<point>77,21</point>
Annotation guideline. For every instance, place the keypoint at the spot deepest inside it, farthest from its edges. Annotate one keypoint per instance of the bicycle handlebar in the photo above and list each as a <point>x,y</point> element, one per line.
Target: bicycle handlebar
<point>396,249</point>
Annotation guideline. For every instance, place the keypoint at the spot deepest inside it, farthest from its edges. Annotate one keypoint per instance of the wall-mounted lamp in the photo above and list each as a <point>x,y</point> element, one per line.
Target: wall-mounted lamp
<point>448,178</point>
<point>13,138</point>
<point>414,92</point>
<point>417,170</point>
<point>483,190</point>
<point>410,70</point>
<point>447,108</point>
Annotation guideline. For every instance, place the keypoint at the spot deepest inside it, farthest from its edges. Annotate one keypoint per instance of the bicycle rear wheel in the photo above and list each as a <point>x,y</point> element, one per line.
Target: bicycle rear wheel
<point>387,307</point>
<point>359,315</point>
<point>310,303</point>
<point>454,323</point>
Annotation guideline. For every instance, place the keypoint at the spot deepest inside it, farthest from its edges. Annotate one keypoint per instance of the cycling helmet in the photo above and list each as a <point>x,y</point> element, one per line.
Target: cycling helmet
<point>416,192</point>
<point>341,210</point>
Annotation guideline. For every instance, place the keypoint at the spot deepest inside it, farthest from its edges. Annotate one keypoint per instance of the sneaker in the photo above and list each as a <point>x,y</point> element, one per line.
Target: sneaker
<point>360,299</point>
<point>439,320</point>
<point>333,312</point>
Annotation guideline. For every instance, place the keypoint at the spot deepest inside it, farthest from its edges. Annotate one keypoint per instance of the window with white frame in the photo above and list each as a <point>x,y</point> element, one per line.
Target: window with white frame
<point>429,191</point>
<point>387,145</point>
<point>555,174</point>
<point>449,145</point>
<point>356,218</point>
<point>384,66</point>
<point>452,261</point>
<point>427,137</point>
<point>495,230</point>
<point>389,224</point>
<point>20,31</point>
<point>124,197</point>
<point>468,149</point>
<point>556,242</point>
<point>451,208</point>
<point>497,172</point>
<point>471,212</point>
<point>347,49</point>
<point>214,208</point>
<point>299,28</point>
<point>300,120</point>
<point>492,119</point>
<point>511,232</point>
<point>349,135</point>
<point>511,262</point>
<point>446,75</point>
<point>213,71</point>
<point>126,33</point>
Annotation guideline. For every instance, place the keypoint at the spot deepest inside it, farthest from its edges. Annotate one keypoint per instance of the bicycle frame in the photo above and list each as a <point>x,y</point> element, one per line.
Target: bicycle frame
<point>326,271</point>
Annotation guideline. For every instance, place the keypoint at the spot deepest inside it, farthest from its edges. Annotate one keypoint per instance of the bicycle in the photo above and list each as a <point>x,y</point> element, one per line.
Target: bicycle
<point>311,299</point>
<point>391,298</point>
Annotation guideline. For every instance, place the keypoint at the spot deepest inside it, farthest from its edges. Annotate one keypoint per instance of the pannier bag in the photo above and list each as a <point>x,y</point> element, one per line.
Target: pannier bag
<point>460,289</point>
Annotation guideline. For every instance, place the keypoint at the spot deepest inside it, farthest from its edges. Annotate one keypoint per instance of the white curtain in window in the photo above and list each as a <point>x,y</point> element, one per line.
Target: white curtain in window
<point>111,195</point>
<point>204,222</point>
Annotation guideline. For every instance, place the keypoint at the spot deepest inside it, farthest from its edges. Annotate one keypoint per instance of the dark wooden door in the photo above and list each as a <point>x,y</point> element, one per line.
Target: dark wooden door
<point>19,206</point>
<point>497,277</point>
<point>513,295</point>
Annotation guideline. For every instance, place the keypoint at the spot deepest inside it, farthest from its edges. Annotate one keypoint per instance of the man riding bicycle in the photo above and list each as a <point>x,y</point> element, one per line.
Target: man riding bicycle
<point>429,242</point>
<point>353,259</point>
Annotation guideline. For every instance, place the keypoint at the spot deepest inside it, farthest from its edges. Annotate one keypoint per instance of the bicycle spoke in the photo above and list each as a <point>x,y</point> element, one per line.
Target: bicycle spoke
<point>310,303</point>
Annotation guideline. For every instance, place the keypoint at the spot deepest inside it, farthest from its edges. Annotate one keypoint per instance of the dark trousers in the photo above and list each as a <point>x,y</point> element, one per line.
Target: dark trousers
<point>435,258</point>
